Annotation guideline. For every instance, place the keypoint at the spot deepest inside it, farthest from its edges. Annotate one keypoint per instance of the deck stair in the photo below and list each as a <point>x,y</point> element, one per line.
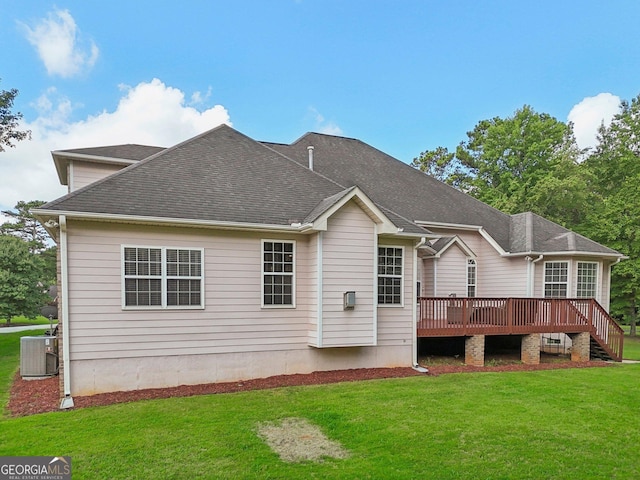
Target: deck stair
<point>599,352</point>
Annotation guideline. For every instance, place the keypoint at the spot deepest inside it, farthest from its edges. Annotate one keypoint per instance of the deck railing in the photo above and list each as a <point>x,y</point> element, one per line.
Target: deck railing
<point>446,317</point>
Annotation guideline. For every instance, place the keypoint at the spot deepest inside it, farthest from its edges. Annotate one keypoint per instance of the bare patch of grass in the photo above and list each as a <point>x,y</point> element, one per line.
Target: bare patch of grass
<point>297,440</point>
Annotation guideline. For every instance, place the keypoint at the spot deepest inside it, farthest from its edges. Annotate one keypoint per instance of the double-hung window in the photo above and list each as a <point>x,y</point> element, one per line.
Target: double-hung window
<point>161,277</point>
<point>587,279</point>
<point>556,277</point>
<point>390,263</point>
<point>278,273</point>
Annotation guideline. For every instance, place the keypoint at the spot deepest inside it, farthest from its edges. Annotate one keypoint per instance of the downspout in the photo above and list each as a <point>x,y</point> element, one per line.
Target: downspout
<point>531,274</point>
<point>414,330</point>
<point>67,401</point>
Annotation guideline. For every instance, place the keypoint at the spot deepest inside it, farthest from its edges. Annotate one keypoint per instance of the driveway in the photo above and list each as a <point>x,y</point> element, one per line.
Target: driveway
<point>23,328</point>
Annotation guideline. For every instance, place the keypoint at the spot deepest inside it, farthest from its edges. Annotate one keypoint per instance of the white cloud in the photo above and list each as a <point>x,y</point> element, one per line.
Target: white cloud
<point>322,125</point>
<point>60,46</point>
<point>150,113</point>
<point>589,114</point>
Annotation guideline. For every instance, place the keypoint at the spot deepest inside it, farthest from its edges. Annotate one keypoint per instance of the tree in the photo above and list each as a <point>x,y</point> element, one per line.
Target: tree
<point>526,162</point>
<point>510,160</point>
<point>25,226</point>
<point>440,164</point>
<point>615,218</point>
<point>9,132</point>
<point>21,291</point>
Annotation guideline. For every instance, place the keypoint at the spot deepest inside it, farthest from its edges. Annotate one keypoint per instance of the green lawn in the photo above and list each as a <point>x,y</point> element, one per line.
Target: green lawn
<point>557,424</point>
<point>631,348</point>
<point>10,360</point>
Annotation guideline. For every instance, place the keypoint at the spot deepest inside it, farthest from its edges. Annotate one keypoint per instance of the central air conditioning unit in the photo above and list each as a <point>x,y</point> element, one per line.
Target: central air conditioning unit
<point>38,356</point>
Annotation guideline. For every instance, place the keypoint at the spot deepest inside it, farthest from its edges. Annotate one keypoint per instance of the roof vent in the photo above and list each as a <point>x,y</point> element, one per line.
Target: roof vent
<point>310,148</point>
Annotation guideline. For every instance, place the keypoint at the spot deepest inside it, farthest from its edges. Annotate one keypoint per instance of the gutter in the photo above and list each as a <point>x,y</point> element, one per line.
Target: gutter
<point>67,401</point>
<point>108,217</point>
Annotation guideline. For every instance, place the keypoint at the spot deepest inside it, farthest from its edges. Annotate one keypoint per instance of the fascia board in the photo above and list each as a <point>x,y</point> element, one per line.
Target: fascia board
<point>573,253</point>
<point>61,160</point>
<point>384,224</point>
<point>92,158</point>
<point>493,243</point>
<point>105,217</point>
<point>457,241</point>
<point>454,226</point>
<point>477,228</point>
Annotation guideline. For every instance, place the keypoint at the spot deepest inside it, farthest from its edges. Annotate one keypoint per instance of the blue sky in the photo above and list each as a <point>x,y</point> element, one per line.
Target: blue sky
<point>403,76</point>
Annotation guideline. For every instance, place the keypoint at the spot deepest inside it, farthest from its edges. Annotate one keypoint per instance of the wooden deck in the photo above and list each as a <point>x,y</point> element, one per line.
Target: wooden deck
<point>453,317</point>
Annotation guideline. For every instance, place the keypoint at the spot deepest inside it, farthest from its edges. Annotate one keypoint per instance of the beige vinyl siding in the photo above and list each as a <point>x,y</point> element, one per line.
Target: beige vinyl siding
<point>83,173</point>
<point>348,248</point>
<point>496,276</point>
<point>232,320</point>
<point>500,276</point>
<point>452,273</point>
<point>426,268</point>
<point>395,323</point>
<point>311,282</point>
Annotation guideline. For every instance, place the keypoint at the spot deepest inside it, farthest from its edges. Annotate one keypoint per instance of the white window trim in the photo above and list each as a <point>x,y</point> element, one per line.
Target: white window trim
<point>263,273</point>
<point>391,305</point>
<point>544,278</point>
<point>596,280</point>
<point>475,276</point>
<point>163,277</point>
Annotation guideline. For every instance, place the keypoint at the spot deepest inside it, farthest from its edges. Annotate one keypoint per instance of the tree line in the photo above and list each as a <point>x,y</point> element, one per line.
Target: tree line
<point>530,161</point>
<point>27,261</point>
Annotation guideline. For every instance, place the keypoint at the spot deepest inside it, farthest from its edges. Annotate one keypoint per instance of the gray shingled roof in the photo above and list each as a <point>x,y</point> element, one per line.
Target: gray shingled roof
<point>533,233</point>
<point>223,175</point>
<point>440,243</point>
<point>419,197</point>
<point>396,185</point>
<point>220,175</point>
<point>126,152</point>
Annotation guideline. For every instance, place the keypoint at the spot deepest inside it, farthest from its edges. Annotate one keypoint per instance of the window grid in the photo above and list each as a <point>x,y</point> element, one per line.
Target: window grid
<point>277,273</point>
<point>471,277</point>
<point>556,276</point>
<point>143,276</point>
<point>390,262</point>
<point>587,279</point>
<point>162,277</point>
<point>184,269</point>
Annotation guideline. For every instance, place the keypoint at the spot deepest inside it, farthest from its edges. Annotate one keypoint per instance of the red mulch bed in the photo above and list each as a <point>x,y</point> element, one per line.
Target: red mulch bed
<point>29,397</point>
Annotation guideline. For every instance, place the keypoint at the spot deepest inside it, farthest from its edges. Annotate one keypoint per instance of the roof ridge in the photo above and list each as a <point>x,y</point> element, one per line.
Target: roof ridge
<point>320,134</point>
<point>406,165</point>
<point>333,181</point>
<point>299,164</point>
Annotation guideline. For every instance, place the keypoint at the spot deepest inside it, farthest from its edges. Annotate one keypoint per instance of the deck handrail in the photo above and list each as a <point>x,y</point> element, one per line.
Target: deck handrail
<point>461,316</point>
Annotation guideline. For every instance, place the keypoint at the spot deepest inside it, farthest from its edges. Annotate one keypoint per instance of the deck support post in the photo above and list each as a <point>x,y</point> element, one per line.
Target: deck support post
<point>474,350</point>
<point>530,349</point>
<point>581,346</point>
